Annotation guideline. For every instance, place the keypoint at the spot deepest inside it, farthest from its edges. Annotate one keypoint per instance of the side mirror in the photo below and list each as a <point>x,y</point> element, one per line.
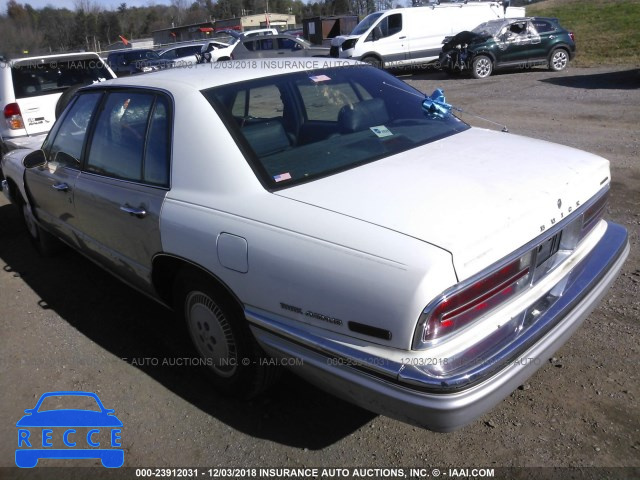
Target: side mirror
<point>36,158</point>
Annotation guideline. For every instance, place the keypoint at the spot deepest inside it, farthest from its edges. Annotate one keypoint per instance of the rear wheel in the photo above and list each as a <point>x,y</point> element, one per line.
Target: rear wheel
<point>221,336</point>
<point>558,60</point>
<point>376,62</point>
<point>481,67</point>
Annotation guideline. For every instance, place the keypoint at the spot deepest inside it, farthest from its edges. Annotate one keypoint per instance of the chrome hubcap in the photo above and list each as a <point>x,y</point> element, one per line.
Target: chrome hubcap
<point>559,60</point>
<point>483,67</point>
<point>211,334</point>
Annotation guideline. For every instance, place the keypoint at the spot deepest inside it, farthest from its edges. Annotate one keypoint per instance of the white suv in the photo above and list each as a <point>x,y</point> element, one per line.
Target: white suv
<point>31,87</point>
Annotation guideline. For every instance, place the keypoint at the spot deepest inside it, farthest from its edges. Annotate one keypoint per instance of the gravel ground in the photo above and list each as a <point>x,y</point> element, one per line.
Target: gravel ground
<point>67,325</point>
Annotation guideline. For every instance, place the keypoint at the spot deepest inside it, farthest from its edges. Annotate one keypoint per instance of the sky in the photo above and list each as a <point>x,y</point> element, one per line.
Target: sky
<point>70,4</point>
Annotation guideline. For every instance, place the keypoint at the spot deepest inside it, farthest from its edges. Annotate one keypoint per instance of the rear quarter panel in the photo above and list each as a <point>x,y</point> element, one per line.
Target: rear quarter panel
<point>299,255</point>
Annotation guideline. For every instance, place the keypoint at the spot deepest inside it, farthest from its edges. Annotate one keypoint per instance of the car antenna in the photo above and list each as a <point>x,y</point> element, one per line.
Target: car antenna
<point>440,101</point>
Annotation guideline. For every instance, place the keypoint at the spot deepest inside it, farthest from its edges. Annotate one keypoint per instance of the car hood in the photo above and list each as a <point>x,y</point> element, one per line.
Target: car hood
<point>340,39</point>
<point>479,194</point>
<point>69,418</point>
<point>465,37</point>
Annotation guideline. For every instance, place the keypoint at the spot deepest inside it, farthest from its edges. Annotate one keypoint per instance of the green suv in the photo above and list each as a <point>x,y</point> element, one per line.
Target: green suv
<point>509,43</point>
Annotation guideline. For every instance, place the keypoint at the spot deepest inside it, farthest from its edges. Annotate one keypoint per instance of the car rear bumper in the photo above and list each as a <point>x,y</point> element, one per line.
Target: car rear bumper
<point>406,393</point>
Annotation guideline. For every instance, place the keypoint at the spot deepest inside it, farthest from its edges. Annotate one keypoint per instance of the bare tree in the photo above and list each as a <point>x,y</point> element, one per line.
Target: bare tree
<point>87,6</point>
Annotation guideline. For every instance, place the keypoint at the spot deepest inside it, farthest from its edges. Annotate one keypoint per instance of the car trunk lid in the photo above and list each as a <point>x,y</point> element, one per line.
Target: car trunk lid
<point>479,194</point>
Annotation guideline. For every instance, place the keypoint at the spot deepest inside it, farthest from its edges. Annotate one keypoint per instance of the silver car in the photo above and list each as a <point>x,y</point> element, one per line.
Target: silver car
<point>330,216</point>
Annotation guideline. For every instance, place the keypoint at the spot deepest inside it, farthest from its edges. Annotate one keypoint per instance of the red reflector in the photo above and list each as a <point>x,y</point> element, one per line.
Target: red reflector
<point>11,109</point>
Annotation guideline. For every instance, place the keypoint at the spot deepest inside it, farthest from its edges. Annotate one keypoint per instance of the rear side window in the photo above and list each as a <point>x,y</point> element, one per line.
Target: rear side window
<point>131,139</point>
<point>55,77</point>
<point>543,26</point>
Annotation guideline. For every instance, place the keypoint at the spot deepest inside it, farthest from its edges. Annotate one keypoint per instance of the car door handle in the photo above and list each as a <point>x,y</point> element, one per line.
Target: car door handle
<point>138,212</point>
<point>61,187</point>
<point>402,38</point>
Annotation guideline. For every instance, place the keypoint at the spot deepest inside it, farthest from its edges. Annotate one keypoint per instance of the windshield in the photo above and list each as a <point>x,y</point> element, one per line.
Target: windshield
<point>364,25</point>
<point>491,28</point>
<point>301,126</point>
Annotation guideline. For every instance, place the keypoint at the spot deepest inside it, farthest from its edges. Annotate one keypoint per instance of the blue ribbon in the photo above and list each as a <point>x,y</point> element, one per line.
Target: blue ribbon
<point>436,104</point>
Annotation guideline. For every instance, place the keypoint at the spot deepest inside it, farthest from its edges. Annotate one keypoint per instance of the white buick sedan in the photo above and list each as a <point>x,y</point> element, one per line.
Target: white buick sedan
<point>327,212</point>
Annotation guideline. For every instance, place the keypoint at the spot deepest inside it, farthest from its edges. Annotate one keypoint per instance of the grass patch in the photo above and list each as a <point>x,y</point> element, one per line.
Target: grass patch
<point>607,31</point>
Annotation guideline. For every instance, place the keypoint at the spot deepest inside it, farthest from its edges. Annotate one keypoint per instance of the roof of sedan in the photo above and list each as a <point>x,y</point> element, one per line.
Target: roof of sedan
<point>209,75</point>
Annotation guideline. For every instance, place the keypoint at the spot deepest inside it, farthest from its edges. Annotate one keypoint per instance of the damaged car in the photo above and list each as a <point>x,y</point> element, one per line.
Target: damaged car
<point>509,43</point>
<point>345,223</point>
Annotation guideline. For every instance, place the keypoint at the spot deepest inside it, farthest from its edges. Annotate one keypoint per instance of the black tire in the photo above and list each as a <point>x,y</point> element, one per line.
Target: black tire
<point>376,62</point>
<point>65,98</point>
<point>452,71</point>
<point>558,60</point>
<point>481,67</point>
<point>220,335</point>
<point>46,244</point>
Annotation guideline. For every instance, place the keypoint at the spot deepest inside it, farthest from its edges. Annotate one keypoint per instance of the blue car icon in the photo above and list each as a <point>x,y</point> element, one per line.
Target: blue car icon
<point>69,433</point>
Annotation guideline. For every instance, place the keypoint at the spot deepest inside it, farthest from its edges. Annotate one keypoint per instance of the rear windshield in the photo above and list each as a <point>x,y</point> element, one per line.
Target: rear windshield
<point>301,126</point>
<point>33,80</point>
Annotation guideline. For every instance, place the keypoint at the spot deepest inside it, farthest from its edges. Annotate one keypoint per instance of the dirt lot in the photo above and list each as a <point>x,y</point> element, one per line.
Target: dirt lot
<point>66,325</point>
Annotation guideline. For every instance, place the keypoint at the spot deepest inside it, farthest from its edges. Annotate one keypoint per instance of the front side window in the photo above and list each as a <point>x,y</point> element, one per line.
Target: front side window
<point>288,44</point>
<point>393,24</point>
<point>388,26</point>
<point>265,44</point>
<point>131,138</point>
<point>301,126</point>
<point>64,146</point>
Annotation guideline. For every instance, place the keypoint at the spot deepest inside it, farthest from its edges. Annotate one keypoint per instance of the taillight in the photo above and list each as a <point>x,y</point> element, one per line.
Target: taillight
<point>593,214</point>
<point>573,37</point>
<point>13,116</point>
<point>460,308</point>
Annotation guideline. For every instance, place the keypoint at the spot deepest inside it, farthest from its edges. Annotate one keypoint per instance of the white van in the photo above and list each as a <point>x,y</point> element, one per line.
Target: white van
<point>31,87</point>
<point>409,36</point>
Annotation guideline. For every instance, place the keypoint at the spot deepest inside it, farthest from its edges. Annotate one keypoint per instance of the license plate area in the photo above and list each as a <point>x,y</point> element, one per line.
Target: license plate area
<point>547,256</point>
<point>548,248</point>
